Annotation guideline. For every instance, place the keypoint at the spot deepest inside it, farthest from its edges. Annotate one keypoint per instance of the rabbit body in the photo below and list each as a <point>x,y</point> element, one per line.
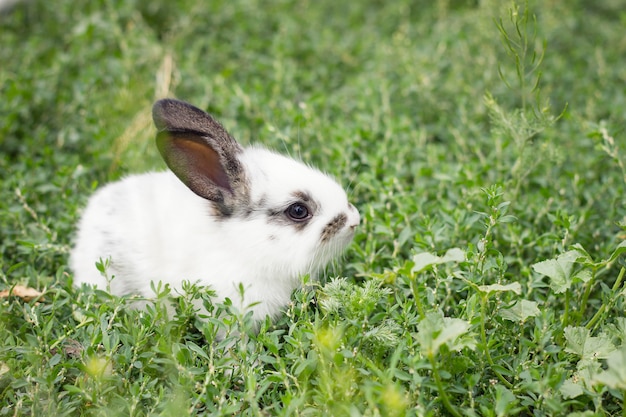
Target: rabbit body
<point>259,220</point>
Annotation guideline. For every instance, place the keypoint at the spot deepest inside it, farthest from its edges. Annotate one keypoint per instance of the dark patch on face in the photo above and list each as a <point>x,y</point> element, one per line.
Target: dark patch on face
<point>302,196</point>
<point>333,227</point>
<point>272,237</point>
<point>279,216</point>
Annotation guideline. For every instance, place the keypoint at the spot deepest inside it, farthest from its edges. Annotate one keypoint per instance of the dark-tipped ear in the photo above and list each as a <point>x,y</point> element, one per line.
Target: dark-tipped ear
<point>200,152</point>
<point>176,115</point>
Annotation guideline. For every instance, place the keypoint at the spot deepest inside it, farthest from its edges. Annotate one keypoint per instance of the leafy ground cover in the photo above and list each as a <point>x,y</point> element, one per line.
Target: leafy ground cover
<point>483,143</point>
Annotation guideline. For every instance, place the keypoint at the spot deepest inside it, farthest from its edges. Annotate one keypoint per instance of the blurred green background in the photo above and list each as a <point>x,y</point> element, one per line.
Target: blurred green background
<point>431,113</point>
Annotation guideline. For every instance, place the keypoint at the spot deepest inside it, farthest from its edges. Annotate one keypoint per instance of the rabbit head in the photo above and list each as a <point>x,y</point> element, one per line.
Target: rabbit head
<point>301,216</point>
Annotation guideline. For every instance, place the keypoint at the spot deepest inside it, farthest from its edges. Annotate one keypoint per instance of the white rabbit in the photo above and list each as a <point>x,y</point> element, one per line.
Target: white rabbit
<point>224,216</point>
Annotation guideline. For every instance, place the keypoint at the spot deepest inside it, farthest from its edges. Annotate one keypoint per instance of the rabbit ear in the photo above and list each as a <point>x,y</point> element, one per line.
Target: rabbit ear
<point>201,153</point>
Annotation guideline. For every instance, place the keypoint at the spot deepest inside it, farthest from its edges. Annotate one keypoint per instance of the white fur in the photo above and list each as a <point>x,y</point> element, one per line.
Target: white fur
<point>153,228</point>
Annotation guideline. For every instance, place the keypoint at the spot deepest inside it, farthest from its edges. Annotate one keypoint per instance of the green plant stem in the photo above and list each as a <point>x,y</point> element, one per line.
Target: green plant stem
<point>604,307</point>
<point>443,396</point>
<point>565,318</point>
<point>618,281</point>
<point>583,302</point>
<point>596,317</point>
<point>483,335</point>
<point>416,299</point>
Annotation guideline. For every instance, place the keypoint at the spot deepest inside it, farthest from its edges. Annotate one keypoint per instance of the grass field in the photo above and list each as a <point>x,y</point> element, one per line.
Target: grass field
<point>482,142</point>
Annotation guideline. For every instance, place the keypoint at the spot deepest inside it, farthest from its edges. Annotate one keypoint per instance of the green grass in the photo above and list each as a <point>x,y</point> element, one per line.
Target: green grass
<point>483,143</point>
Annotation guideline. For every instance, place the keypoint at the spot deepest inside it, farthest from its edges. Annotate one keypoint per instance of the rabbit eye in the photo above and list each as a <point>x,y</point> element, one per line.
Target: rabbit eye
<point>298,212</point>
